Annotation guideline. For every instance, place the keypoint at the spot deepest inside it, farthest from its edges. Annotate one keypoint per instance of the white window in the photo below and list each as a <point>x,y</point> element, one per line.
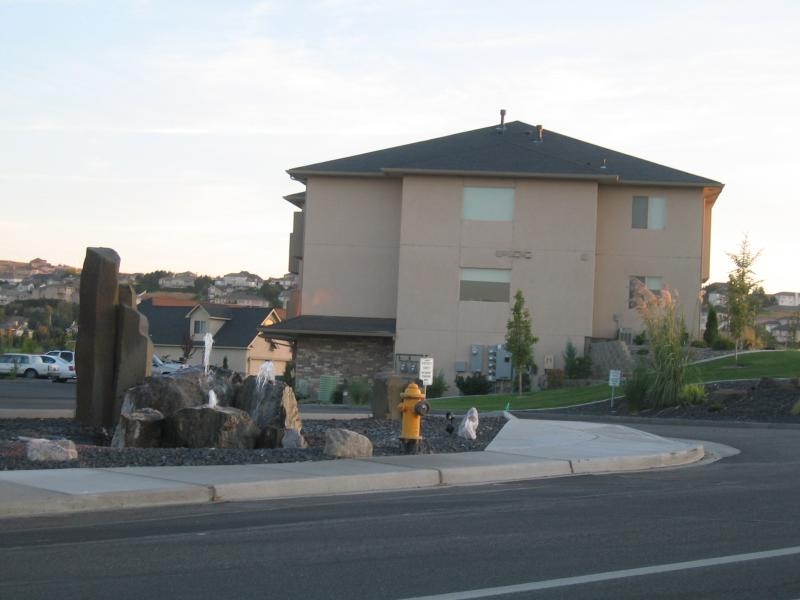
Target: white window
<point>649,212</point>
<point>485,285</point>
<point>651,283</point>
<point>488,204</point>
<point>200,326</point>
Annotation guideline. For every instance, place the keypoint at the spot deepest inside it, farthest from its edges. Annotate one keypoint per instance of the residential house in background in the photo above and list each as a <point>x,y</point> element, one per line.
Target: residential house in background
<point>178,280</point>
<point>417,250</point>
<point>240,280</point>
<point>246,299</point>
<point>788,298</point>
<point>176,324</point>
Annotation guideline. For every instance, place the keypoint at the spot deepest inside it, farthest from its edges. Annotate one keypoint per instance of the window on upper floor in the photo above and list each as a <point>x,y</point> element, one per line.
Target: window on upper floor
<point>200,327</point>
<point>649,212</point>
<point>650,282</point>
<point>485,285</point>
<point>488,204</point>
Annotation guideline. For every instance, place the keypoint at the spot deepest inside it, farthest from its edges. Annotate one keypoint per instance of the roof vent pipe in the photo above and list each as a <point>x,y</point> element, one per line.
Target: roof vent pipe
<point>540,132</point>
<point>502,126</point>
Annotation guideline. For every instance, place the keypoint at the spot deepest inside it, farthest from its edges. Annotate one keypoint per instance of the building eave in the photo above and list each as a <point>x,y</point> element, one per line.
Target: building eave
<point>502,174</point>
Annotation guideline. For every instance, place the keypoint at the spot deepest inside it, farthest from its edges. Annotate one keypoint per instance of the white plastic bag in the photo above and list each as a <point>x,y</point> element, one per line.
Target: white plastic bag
<point>468,429</point>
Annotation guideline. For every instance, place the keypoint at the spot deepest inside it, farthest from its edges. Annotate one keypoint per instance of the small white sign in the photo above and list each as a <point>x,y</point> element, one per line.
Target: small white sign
<point>614,376</point>
<point>426,370</point>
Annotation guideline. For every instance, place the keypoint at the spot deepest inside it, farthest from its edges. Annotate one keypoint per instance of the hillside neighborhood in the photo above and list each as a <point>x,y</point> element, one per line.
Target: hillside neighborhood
<point>232,307</point>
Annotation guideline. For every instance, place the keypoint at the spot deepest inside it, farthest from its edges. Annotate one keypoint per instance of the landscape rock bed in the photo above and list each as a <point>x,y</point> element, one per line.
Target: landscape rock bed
<point>758,401</point>
<point>94,450</point>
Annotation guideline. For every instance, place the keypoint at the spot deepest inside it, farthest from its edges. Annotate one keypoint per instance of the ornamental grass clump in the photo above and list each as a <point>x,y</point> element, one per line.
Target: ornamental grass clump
<point>668,362</point>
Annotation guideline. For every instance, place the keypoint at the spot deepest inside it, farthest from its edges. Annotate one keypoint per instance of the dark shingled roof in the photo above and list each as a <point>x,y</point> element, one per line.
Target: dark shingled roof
<point>517,152</point>
<point>327,325</point>
<point>242,328</point>
<point>169,324</point>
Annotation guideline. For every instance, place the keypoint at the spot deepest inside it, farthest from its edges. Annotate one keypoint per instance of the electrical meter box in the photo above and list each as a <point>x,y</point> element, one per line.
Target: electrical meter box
<point>503,363</point>
<point>476,358</point>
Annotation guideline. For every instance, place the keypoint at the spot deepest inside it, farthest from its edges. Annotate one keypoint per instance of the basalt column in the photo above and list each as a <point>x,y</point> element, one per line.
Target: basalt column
<point>113,351</point>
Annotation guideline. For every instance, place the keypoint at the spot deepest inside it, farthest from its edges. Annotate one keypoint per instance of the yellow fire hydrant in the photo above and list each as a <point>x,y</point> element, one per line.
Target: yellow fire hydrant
<point>413,407</point>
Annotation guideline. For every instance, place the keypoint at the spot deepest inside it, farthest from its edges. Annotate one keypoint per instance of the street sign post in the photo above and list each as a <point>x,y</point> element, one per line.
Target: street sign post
<point>426,370</point>
<point>614,376</point>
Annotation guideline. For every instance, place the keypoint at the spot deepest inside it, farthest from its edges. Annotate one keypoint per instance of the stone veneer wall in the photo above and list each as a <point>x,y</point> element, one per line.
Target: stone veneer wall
<point>344,357</point>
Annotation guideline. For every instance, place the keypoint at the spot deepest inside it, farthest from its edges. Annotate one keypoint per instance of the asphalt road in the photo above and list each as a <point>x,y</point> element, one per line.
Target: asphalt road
<point>38,394</point>
<point>724,530</point>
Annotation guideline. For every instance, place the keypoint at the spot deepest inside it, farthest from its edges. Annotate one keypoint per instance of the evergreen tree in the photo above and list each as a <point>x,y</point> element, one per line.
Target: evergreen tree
<point>742,304</point>
<point>519,338</point>
<point>712,326</point>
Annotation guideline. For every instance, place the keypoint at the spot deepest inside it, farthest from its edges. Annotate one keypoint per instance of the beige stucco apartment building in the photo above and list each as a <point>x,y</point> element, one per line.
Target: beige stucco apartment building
<point>419,250</point>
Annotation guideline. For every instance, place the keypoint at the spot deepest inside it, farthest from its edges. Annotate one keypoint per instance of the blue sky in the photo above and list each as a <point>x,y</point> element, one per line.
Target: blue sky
<point>163,129</point>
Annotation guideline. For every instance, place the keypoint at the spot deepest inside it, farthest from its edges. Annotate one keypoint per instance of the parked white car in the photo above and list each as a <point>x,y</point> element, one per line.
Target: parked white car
<point>64,371</point>
<point>25,365</point>
<point>165,368</point>
<point>67,355</point>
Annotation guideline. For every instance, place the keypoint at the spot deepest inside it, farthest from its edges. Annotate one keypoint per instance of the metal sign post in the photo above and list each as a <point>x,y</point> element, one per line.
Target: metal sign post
<point>426,370</point>
<point>614,376</point>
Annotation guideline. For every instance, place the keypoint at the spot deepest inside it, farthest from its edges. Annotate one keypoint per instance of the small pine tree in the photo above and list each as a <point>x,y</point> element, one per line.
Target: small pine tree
<point>712,326</point>
<point>520,338</point>
<point>742,307</point>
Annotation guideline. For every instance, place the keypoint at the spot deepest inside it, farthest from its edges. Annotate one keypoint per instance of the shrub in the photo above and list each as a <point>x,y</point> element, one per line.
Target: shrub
<point>796,408</point>
<point>716,407</point>
<point>640,338</point>
<point>711,332</point>
<point>635,389</point>
<point>438,387</point>
<point>338,394</point>
<point>576,367</point>
<point>692,393</point>
<point>555,378</point>
<point>474,385</point>
<point>359,390</point>
<point>699,344</point>
<point>666,332</point>
<point>723,343</point>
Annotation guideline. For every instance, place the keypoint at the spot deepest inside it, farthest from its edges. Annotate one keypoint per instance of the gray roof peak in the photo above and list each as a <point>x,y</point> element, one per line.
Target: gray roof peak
<point>514,149</point>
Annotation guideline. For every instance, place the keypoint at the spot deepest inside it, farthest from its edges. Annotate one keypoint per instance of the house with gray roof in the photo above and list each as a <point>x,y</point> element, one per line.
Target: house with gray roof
<point>418,250</point>
<point>176,329</point>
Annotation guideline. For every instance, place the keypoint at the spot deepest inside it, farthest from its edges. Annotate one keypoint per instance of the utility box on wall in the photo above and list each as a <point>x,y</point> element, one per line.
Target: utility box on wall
<point>476,358</point>
<point>503,369</point>
<point>498,362</point>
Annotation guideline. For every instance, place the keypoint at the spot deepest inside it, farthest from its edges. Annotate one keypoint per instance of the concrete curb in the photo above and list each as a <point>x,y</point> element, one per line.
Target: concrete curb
<point>522,450</point>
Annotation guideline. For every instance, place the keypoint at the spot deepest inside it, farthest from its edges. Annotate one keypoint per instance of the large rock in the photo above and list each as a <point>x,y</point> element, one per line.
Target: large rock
<point>273,407</point>
<point>167,394</point>
<point>97,325</point>
<point>210,427</point>
<point>139,429</point>
<point>292,438</point>
<point>59,450</point>
<point>343,443</point>
<point>133,348</point>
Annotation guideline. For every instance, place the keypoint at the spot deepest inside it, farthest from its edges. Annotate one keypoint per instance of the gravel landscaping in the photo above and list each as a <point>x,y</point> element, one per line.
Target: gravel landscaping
<point>763,401</point>
<point>94,451</point>
<point>758,401</point>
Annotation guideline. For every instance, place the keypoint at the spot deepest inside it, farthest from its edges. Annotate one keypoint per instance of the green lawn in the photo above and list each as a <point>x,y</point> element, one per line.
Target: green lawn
<point>775,363</point>
<point>750,366</point>
<point>541,399</point>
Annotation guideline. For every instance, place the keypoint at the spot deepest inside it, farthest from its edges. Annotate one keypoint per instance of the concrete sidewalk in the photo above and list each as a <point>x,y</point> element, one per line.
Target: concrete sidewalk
<point>524,449</point>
